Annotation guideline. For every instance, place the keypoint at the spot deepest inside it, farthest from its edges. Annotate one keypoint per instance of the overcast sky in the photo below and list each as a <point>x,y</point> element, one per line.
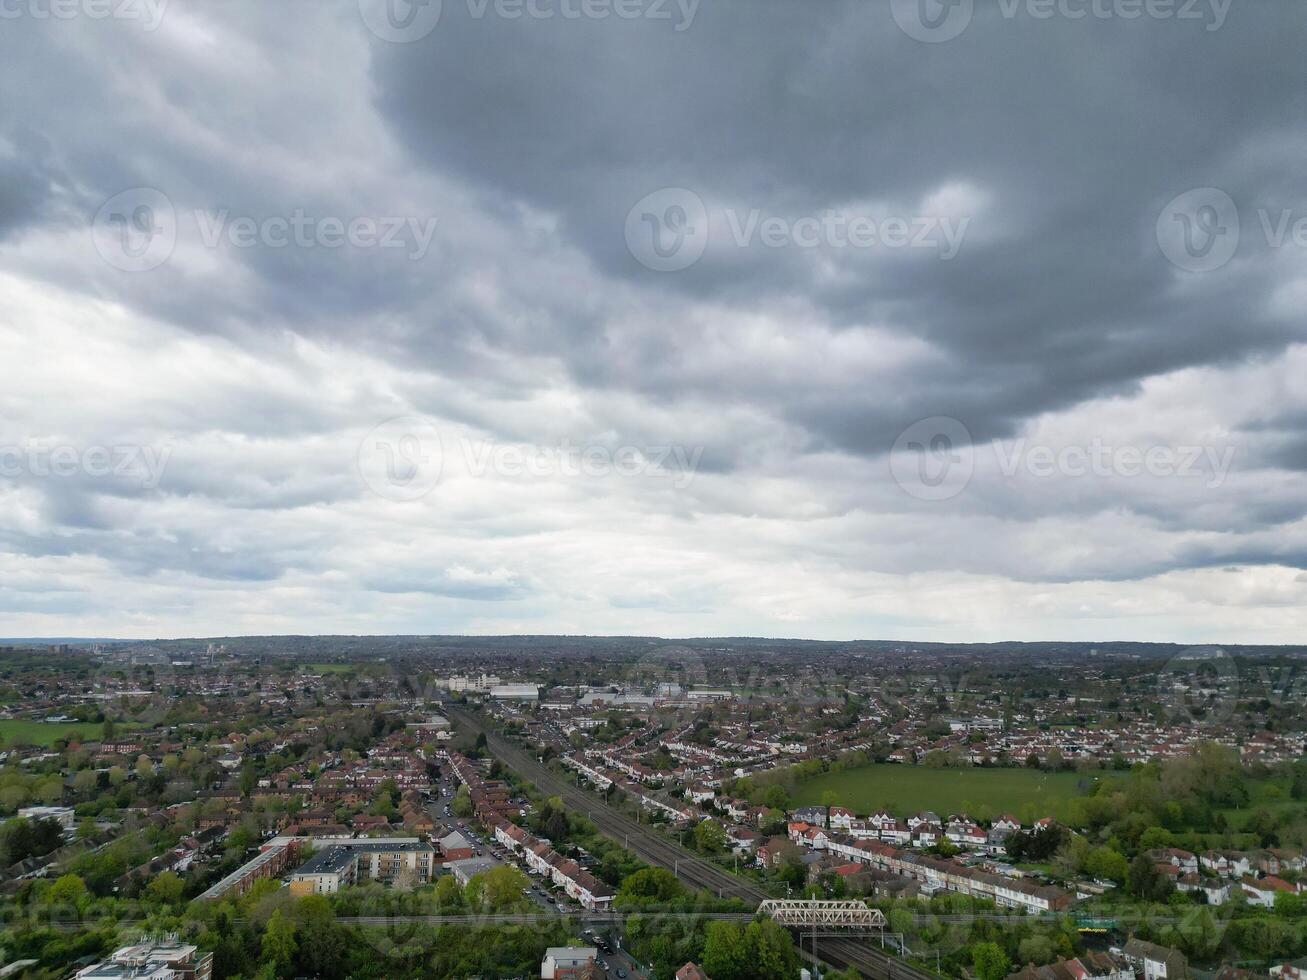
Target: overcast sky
<point>869,319</point>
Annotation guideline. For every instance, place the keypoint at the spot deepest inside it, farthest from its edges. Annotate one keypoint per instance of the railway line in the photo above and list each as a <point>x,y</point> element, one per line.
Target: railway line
<point>689,867</point>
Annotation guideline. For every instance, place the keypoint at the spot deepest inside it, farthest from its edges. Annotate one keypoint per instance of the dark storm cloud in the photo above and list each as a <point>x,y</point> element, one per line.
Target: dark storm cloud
<point>30,180</point>
<point>1080,131</point>
<point>1281,440</point>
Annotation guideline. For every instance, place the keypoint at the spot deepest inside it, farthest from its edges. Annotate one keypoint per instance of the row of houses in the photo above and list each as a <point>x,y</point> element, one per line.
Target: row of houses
<point>273,858</point>
<point>540,857</point>
<point>489,797</point>
<point>965,835</point>
<point>675,811</point>
<point>937,874</point>
<point>1218,874</point>
<point>1230,864</point>
<point>564,872</point>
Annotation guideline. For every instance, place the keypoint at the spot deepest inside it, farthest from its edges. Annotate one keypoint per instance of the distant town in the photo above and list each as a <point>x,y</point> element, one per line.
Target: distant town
<point>578,807</point>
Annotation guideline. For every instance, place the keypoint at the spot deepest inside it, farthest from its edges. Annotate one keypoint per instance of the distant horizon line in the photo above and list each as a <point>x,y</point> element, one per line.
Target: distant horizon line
<point>629,636</point>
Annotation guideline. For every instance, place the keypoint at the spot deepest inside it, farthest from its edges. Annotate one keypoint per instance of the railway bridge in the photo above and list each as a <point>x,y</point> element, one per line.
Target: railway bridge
<point>850,916</point>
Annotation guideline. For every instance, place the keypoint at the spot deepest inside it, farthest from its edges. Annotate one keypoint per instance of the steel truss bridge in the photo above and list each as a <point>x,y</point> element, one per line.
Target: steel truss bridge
<point>843,916</point>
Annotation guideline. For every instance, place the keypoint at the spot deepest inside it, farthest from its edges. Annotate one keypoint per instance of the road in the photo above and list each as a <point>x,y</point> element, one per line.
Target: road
<point>688,866</point>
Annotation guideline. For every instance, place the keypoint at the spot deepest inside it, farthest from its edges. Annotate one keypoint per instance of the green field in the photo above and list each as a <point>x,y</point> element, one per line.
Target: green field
<point>903,790</point>
<point>28,732</point>
<point>331,668</point>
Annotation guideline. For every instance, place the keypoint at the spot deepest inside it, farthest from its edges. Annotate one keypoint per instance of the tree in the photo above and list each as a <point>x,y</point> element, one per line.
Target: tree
<point>1298,788</point>
<point>989,961</point>
<point>1037,949</point>
<point>449,896</point>
<point>248,778</point>
<point>165,887</point>
<point>649,886</point>
<point>770,951</point>
<point>67,890</point>
<point>50,790</point>
<point>323,942</point>
<point>278,945</point>
<point>84,782</point>
<point>1143,880</point>
<point>725,955</point>
<point>1036,845</point>
<point>1107,864</point>
<point>501,887</point>
<point>709,837</point>
<point>462,804</point>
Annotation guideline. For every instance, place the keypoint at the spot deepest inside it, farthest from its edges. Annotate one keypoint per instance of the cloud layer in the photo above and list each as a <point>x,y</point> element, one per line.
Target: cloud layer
<point>741,318</point>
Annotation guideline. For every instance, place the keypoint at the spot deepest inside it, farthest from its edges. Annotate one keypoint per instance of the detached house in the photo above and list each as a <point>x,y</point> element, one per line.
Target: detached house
<point>1154,962</point>
<point>1263,891</point>
<point>841,819</point>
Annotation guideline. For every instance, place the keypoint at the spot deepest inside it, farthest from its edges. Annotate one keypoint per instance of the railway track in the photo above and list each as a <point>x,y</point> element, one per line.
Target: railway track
<point>688,866</point>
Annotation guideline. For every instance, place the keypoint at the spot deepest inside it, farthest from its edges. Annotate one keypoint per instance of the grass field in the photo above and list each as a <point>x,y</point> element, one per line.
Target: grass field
<point>983,793</point>
<point>331,668</point>
<point>1263,794</point>
<point>28,732</point>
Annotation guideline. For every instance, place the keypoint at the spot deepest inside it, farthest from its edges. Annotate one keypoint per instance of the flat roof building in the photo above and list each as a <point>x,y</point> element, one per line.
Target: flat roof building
<point>393,861</point>
<point>464,869</point>
<point>566,961</point>
<point>164,958</point>
<point>516,692</point>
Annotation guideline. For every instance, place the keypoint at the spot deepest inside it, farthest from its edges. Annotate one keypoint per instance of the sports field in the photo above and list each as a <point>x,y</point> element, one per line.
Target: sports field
<point>903,790</point>
<point>29,732</point>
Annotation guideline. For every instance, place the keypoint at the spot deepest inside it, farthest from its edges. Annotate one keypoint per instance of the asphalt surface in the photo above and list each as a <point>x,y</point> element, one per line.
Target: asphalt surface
<point>694,870</point>
<point>538,893</point>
